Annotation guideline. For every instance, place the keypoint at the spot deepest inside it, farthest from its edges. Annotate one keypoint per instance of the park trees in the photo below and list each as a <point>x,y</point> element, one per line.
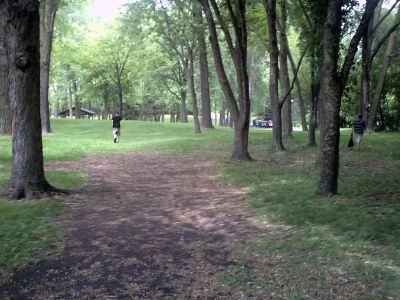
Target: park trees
<point>239,106</point>
<point>23,46</point>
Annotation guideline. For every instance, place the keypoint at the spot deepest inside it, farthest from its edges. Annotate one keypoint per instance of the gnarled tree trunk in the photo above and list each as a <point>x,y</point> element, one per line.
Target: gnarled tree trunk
<point>22,40</point>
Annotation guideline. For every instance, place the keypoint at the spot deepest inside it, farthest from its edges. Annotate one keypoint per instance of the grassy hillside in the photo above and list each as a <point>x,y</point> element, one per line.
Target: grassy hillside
<point>357,230</point>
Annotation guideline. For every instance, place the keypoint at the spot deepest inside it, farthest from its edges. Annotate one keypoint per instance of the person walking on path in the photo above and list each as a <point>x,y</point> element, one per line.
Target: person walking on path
<point>116,122</point>
<point>358,130</point>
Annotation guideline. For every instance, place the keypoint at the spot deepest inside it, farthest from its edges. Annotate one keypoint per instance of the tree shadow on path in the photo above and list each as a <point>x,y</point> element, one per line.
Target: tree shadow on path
<point>146,226</point>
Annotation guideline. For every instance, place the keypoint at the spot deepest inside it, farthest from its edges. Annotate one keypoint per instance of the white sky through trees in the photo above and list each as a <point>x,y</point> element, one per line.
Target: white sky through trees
<point>106,10</point>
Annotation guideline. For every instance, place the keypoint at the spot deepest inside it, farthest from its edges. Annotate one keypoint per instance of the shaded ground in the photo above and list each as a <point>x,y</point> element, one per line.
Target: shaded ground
<point>146,226</point>
<point>149,227</point>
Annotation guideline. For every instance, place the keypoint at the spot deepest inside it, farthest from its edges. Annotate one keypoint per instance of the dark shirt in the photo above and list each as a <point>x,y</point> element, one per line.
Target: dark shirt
<point>116,121</point>
<point>359,126</point>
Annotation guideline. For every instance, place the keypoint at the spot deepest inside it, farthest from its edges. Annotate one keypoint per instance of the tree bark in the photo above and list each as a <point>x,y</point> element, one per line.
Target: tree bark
<point>23,46</point>
<point>300,93</point>
<point>5,110</point>
<point>57,104</point>
<point>48,10</point>
<point>206,121</point>
<point>71,113</point>
<point>77,101</point>
<point>333,86</point>
<point>183,113</point>
<point>287,125</point>
<point>315,90</point>
<point>240,108</point>
<point>190,76</point>
<point>381,80</point>
<point>270,8</point>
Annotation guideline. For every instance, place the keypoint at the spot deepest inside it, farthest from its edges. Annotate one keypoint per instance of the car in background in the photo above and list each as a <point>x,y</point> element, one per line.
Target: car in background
<point>262,123</point>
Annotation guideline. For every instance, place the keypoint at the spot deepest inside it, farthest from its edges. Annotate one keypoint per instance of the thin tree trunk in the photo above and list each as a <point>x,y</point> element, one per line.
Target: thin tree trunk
<point>77,101</point>
<point>222,115</point>
<point>190,76</point>
<point>381,80</point>
<point>315,89</point>
<point>300,93</point>
<point>71,113</point>
<point>120,96</point>
<point>48,10</point>
<point>252,73</point>
<point>287,125</point>
<point>270,7</point>
<point>23,46</point>
<point>5,110</point>
<point>57,104</point>
<point>206,120</point>
<point>240,110</point>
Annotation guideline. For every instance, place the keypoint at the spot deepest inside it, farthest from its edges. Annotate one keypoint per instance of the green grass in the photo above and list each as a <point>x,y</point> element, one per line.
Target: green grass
<point>26,232</point>
<point>363,221</point>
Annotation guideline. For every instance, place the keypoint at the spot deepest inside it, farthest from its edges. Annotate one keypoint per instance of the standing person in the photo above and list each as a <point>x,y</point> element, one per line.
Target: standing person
<point>358,130</point>
<point>116,122</point>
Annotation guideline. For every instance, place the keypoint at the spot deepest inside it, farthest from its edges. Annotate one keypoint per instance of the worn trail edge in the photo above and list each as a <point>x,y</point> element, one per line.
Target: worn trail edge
<point>146,226</point>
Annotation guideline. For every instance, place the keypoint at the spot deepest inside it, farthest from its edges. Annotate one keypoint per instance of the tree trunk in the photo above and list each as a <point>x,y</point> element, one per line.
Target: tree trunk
<point>315,90</point>
<point>57,104</point>
<point>77,101</point>
<point>106,99</point>
<point>240,109</point>
<point>120,96</point>
<point>300,92</point>
<point>5,111</point>
<point>204,77</point>
<point>48,10</point>
<point>183,116</point>
<point>330,105</point>
<point>270,8</point>
<point>252,73</point>
<point>190,78</point>
<point>22,40</point>
<point>222,115</point>
<point>287,125</point>
<point>381,80</point>
<point>70,108</point>
<point>333,86</point>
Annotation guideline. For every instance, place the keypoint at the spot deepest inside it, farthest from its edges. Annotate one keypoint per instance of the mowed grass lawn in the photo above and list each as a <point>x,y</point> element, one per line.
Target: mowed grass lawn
<point>357,230</point>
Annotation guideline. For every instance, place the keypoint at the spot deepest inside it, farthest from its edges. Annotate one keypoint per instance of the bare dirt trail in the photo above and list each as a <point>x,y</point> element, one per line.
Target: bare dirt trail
<point>146,227</point>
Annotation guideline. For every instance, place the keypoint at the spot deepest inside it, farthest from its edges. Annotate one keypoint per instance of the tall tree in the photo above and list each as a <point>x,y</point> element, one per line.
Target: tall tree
<point>48,10</point>
<point>5,111</point>
<point>239,108</point>
<point>204,73</point>
<point>334,82</point>
<point>276,104</point>
<point>23,46</point>
<point>287,125</point>
<point>381,80</point>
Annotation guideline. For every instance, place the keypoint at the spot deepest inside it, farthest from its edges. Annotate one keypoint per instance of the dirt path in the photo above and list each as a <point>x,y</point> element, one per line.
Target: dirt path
<point>145,227</point>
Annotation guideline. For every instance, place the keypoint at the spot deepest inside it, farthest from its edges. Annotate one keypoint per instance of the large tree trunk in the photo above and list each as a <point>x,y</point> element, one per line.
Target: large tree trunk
<point>190,79</point>
<point>270,8</point>
<point>22,39</point>
<point>5,111</point>
<point>381,80</point>
<point>287,125</point>
<point>48,10</point>
<point>333,86</point>
<point>204,76</point>
<point>330,105</point>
